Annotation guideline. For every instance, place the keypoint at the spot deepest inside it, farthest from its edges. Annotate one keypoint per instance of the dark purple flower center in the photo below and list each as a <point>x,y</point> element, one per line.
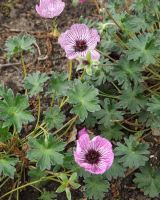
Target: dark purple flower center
<point>81,45</point>
<point>92,156</point>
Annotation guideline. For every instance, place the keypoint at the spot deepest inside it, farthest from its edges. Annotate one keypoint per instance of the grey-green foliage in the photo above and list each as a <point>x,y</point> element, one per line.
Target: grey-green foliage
<point>133,153</point>
<point>54,118</point>
<point>17,44</point>
<point>34,83</point>
<point>109,114</point>
<point>96,187</point>
<point>148,180</point>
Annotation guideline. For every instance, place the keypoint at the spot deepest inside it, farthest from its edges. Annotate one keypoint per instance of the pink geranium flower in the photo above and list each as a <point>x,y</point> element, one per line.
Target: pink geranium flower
<point>79,40</point>
<point>82,1</point>
<point>96,155</point>
<point>50,8</point>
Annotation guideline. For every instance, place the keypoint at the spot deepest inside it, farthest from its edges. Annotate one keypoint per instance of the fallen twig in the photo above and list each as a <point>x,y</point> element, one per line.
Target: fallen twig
<point>9,65</point>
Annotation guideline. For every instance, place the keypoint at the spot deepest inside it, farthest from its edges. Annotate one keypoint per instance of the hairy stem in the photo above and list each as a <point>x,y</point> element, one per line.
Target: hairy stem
<point>153,72</point>
<point>39,111</point>
<point>82,76</point>
<point>71,124</point>
<point>63,102</point>
<point>111,17</point>
<point>23,66</point>
<point>64,126</point>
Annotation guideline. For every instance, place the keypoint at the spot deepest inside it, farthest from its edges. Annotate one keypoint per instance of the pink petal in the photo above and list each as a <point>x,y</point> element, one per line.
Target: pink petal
<point>94,39</point>
<point>94,169</point>
<point>84,142</point>
<point>38,9</point>
<point>99,142</point>
<point>95,55</point>
<point>82,132</point>
<point>80,32</point>
<point>50,8</point>
<point>66,39</point>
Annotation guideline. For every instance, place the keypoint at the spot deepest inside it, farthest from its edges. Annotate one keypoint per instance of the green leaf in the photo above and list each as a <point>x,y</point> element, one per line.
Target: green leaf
<point>47,195</point>
<point>5,135</point>
<point>73,177</point>
<point>132,153</point>
<point>17,44</point>
<point>59,84</point>
<point>141,5</point>
<point>68,193</point>
<point>126,71</point>
<point>150,119</point>
<point>96,187</point>
<point>113,132</point>
<point>109,114</point>
<point>7,166</point>
<point>133,99</point>
<point>34,83</point>
<point>117,170</point>
<point>36,174</point>
<point>134,24</point>
<point>46,152</point>
<point>148,180</point>
<point>13,110</point>
<point>3,90</point>
<point>67,183</point>
<point>90,121</point>
<point>54,118</point>
<point>101,73</point>
<point>82,173</point>
<point>61,189</point>
<point>143,48</point>
<point>72,180</point>
<point>154,105</point>
<point>63,177</point>
<point>84,99</point>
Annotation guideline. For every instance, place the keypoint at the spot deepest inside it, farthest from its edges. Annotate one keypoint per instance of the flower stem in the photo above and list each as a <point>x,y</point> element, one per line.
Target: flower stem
<point>44,131</point>
<point>127,129</point>
<point>39,111</point>
<point>116,87</point>
<point>106,55</point>
<point>108,95</point>
<point>153,72</point>
<point>63,102</point>
<point>110,16</point>
<point>97,6</point>
<point>32,133</point>
<point>64,126</point>
<point>70,70</point>
<point>71,124</point>
<point>4,182</point>
<point>23,66</point>
<point>52,101</point>
<point>55,31</point>
<point>82,76</point>
<point>120,42</point>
